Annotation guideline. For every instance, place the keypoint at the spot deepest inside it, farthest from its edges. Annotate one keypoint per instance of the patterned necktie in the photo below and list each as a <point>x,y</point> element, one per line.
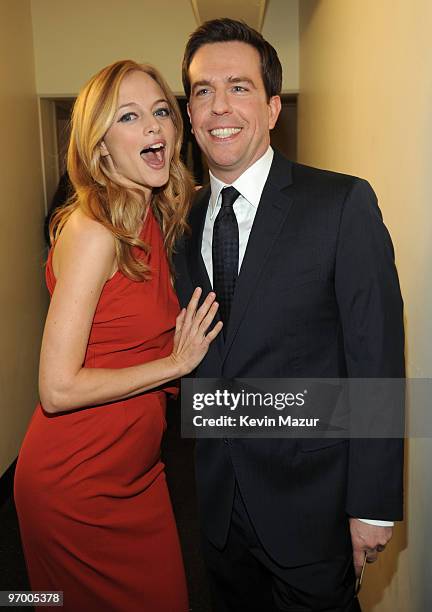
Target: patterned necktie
<point>225,253</point>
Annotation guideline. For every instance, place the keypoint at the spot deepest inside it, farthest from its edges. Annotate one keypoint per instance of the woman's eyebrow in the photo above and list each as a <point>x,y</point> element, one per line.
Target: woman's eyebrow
<point>127,104</point>
<point>136,104</point>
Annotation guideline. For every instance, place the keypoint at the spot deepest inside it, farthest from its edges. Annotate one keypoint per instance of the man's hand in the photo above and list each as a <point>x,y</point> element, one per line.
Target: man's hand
<point>367,538</point>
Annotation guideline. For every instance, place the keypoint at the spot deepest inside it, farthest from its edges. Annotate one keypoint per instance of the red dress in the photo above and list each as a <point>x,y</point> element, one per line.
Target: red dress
<point>94,511</point>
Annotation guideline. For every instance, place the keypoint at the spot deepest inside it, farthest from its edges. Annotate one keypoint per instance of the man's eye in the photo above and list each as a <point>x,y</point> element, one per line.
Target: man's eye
<point>162,112</point>
<point>202,92</point>
<point>239,88</point>
<point>127,117</point>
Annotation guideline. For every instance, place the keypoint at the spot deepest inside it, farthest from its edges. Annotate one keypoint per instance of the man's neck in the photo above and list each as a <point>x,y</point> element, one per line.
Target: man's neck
<point>226,177</point>
<point>229,176</point>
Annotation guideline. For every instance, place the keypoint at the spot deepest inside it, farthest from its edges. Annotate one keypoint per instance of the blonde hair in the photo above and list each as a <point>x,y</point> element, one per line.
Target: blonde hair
<point>97,193</point>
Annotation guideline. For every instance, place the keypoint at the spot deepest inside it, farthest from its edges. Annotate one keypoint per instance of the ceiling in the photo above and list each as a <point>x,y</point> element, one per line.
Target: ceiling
<point>250,11</point>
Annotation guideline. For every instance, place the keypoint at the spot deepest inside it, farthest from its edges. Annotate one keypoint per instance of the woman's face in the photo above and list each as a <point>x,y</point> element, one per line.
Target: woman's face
<point>139,145</point>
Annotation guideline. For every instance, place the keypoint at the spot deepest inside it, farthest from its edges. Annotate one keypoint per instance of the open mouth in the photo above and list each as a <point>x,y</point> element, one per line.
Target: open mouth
<point>154,155</point>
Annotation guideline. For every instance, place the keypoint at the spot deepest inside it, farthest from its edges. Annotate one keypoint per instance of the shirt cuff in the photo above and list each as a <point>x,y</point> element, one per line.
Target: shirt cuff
<point>377,523</point>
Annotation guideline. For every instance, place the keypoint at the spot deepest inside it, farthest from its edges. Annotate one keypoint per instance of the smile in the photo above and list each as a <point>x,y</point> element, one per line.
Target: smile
<point>225,132</point>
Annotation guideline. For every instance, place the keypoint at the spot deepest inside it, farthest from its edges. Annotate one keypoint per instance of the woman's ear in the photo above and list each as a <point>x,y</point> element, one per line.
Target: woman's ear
<point>103,149</point>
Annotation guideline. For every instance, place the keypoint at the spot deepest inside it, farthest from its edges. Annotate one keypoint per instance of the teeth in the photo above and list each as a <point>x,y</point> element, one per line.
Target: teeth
<point>157,148</point>
<point>224,132</point>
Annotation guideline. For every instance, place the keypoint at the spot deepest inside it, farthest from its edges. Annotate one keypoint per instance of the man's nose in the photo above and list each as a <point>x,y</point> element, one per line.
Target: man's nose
<point>220,103</point>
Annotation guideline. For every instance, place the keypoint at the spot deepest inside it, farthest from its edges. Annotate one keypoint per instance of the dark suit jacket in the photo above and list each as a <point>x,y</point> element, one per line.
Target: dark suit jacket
<point>317,296</point>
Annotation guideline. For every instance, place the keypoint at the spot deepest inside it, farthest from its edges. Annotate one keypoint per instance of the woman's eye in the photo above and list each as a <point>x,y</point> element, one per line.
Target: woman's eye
<point>127,117</point>
<point>162,112</point>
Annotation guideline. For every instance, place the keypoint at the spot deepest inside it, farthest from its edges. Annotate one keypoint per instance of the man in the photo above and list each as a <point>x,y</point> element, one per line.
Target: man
<point>303,269</point>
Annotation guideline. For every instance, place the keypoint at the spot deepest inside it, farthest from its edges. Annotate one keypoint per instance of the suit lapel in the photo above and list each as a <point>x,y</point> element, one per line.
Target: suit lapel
<point>271,214</point>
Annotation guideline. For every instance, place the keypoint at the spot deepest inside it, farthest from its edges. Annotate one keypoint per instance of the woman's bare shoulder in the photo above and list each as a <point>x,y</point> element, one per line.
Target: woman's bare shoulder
<point>82,227</point>
<point>83,239</point>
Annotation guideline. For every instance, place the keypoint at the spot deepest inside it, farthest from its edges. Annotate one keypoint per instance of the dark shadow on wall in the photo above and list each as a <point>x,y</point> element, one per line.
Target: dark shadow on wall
<point>306,11</point>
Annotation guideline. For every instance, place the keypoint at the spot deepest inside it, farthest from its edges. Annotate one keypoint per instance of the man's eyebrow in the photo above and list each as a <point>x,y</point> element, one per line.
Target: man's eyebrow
<point>241,79</point>
<point>231,79</point>
<point>201,83</point>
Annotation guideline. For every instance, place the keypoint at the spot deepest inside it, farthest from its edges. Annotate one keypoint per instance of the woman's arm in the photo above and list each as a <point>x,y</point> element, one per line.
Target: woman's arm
<point>84,259</point>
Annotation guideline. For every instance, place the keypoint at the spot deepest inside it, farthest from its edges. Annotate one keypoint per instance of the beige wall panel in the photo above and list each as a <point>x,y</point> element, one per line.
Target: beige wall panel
<point>74,40</point>
<point>22,292</point>
<point>365,108</point>
<point>281,28</point>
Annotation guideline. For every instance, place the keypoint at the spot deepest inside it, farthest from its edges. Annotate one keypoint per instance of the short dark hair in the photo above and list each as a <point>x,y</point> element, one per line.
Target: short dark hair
<point>228,30</point>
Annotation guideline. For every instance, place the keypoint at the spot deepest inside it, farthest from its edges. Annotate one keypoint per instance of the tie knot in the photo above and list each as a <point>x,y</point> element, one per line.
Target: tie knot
<point>229,196</point>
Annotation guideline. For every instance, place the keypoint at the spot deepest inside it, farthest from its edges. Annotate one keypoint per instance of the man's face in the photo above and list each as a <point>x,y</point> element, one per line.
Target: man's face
<point>228,108</point>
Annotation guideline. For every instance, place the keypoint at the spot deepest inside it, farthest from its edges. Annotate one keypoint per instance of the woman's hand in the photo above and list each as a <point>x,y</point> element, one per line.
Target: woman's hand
<point>191,340</point>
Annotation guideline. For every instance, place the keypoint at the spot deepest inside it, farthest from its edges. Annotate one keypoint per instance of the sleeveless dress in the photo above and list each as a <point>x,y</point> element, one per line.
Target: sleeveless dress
<point>94,511</point>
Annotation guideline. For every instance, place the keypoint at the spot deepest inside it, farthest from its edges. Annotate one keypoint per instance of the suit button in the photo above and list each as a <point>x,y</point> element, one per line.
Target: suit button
<point>226,441</point>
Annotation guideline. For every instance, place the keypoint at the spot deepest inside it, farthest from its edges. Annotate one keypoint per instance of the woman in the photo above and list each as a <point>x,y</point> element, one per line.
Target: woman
<point>93,506</point>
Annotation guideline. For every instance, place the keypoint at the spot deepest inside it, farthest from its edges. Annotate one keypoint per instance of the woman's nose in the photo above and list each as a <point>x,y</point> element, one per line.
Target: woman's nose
<point>152,126</point>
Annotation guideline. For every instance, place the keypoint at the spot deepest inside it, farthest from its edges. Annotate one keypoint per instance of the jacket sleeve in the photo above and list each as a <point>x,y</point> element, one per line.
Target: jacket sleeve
<point>371,313</point>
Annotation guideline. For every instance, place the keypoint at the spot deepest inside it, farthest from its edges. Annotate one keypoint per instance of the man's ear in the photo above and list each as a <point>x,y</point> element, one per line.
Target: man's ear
<point>189,115</point>
<point>274,106</point>
<point>103,149</point>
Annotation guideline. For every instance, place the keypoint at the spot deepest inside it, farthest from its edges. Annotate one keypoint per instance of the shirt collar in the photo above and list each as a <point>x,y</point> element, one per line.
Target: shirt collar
<point>250,184</point>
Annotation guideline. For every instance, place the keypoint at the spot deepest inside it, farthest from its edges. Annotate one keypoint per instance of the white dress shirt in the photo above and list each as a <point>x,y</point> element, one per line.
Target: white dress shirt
<point>250,186</point>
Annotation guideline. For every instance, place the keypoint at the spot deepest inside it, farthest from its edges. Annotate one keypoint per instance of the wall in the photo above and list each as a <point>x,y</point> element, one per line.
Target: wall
<point>365,108</point>
<point>281,29</point>
<point>74,40</point>
<point>22,292</point>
